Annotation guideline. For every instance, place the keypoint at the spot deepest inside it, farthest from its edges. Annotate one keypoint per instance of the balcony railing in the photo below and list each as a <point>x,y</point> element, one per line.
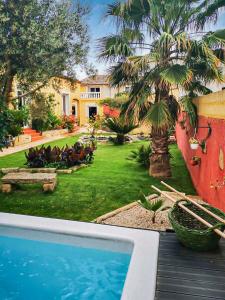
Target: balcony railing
<point>90,95</point>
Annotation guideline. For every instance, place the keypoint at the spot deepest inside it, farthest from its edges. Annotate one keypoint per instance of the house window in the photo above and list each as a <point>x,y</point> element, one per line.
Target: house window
<point>95,90</point>
<point>65,105</point>
<point>127,89</point>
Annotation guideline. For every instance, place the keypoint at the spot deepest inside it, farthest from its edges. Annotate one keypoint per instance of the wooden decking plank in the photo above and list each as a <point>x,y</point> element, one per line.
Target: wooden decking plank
<point>184,274</point>
<point>174,296</point>
<point>190,273</point>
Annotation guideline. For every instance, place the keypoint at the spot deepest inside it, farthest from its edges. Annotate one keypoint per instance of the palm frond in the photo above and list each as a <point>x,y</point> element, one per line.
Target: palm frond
<point>159,116</point>
<point>114,47</point>
<point>153,205</point>
<point>120,125</point>
<point>209,12</point>
<point>177,74</point>
<point>188,106</point>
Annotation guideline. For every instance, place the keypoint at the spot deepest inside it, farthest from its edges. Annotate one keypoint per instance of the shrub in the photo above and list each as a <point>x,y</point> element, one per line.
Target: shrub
<point>121,127</point>
<point>68,122</point>
<point>142,155</point>
<point>60,157</point>
<point>38,124</point>
<point>52,122</point>
<point>155,206</point>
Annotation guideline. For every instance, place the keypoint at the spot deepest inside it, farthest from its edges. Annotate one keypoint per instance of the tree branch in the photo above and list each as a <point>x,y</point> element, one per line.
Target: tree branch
<point>30,92</point>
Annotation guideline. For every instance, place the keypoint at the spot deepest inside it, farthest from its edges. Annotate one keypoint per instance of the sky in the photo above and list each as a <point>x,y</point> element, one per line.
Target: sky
<point>100,27</point>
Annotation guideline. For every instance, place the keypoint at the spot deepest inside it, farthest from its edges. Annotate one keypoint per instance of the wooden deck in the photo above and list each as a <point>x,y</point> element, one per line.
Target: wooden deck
<point>187,275</point>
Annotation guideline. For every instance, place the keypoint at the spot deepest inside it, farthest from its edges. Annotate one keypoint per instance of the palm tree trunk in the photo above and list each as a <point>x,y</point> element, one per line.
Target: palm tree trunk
<point>160,157</point>
<point>120,139</point>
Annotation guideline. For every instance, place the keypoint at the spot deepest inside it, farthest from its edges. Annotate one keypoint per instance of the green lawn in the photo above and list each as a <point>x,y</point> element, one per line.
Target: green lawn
<point>110,182</point>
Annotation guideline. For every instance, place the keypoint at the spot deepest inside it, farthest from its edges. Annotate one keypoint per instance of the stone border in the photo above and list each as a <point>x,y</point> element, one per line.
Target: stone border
<point>43,170</point>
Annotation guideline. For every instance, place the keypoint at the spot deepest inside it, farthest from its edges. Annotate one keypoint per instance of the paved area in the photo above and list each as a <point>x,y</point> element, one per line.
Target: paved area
<point>11,150</point>
<point>184,274</point>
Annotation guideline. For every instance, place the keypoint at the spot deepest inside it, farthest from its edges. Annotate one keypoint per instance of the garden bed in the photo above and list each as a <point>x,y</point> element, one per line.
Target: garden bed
<point>135,216</point>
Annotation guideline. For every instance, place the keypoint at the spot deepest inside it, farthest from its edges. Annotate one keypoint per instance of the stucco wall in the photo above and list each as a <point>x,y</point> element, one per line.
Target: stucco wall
<point>65,87</point>
<point>209,176</point>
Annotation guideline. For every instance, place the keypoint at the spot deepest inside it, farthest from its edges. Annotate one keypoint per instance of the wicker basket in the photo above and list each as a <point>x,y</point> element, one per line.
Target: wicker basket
<point>196,239</point>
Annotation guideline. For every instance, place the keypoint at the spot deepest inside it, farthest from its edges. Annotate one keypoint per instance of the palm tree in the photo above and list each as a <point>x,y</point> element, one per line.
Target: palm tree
<point>121,126</point>
<point>155,52</point>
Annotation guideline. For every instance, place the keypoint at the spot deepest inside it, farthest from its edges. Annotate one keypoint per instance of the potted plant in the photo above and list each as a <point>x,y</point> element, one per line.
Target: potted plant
<point>195,160</point>
<point>194,143</point>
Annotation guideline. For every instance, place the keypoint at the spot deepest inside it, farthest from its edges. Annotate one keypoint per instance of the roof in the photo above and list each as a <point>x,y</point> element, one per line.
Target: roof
<point>96,79</point>
<point>184,274</point>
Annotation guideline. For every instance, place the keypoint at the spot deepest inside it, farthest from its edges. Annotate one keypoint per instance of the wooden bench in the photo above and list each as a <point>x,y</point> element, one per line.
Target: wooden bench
<point>48,180</point>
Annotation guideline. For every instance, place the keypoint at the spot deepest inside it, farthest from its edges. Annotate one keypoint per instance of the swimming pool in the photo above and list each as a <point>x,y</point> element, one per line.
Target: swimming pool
<point>44,258</point>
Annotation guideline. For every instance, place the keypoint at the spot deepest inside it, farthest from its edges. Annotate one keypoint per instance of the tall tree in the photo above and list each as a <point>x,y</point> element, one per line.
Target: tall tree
<point>39,39</point>
<point>160,46</point>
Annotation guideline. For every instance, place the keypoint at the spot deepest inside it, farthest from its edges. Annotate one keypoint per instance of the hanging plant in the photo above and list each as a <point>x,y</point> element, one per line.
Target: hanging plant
<point>194,143</point>
<point>195,160</point>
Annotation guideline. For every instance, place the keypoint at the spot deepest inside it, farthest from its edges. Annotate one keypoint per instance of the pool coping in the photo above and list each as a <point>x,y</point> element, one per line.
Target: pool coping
<point>140,282</point>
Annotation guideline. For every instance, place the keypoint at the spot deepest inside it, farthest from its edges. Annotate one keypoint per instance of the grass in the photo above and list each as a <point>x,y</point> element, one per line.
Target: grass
<point>109,183</point>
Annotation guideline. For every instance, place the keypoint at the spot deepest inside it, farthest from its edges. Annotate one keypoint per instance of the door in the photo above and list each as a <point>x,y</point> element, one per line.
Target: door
<point>92,111</point>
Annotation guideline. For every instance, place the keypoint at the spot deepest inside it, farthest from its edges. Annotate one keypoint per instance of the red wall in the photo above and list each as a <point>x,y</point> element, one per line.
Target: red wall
<point>208,174</point>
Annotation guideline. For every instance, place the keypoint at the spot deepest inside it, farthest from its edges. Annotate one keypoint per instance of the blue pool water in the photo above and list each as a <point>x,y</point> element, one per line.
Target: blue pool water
<point>37,270</point>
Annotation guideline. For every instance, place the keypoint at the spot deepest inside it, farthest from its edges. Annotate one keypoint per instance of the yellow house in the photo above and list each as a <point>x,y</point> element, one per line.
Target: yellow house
<point>92,90</point>
<point>81,98</point>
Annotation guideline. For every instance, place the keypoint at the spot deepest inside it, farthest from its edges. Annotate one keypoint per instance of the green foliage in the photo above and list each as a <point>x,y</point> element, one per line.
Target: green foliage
<point>117,101</point>
<point>53,121</point>
<point>141,155</point>
<point>160,116</point>
<point>95,123</point>
<point>40,39</point>
<point>12,122</point>
<point>20,116</point>
<point>42,113</point>
<point>121,126</point>
<point>5,121</point>
<point>174,55</point>
<point>189,107</point>
<point>155,206</point>
<point>59,157</point>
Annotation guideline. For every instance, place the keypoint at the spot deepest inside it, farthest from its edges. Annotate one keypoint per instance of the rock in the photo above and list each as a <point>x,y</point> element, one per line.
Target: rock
<point>6,188</point>
<point>64,171</point>
<point>76,168</point>
<point>26,170</point>
<point>49,187</point>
